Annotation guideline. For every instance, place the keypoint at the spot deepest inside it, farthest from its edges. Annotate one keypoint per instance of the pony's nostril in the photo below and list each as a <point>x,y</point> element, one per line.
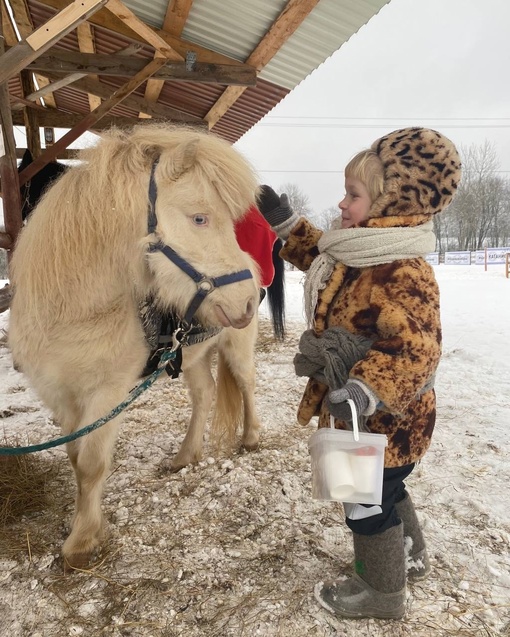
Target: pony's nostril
<point>250,308</point>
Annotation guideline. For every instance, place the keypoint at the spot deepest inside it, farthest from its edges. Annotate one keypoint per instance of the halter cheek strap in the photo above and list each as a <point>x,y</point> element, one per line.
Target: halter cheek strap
<point>205,285</point>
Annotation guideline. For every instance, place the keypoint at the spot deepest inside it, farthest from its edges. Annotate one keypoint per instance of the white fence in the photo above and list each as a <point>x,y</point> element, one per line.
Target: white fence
<point>488,256</point>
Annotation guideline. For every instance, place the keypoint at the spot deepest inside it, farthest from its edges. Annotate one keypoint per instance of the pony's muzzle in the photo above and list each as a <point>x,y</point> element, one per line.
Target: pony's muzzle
<point>239,321</point>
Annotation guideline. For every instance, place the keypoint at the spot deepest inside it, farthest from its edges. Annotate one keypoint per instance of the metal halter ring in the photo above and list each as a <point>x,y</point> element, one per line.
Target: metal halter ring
<point>206,284</point>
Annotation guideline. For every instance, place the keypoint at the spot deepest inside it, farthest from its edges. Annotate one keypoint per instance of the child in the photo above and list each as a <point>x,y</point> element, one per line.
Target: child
<point>370,278</point>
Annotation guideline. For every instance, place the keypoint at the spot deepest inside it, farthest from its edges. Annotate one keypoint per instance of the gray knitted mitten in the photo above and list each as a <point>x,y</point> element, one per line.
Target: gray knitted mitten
<point>275,209</point>
<point>337,405</point>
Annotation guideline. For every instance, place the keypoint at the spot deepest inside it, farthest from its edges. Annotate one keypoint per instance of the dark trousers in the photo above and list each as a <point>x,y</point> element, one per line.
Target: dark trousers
<point>393,491</point>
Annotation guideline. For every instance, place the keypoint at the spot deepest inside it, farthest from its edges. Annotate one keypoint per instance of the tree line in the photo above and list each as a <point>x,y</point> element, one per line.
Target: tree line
<point>479,215</point>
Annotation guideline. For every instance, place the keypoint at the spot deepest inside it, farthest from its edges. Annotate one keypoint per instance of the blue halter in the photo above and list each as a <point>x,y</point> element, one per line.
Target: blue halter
<point>205,285</point>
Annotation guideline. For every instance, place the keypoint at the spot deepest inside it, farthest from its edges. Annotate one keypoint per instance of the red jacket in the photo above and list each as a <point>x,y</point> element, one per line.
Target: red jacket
<point>256,237</point>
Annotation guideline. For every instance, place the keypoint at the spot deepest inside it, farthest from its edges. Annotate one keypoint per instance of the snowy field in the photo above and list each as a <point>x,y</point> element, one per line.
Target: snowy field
<point>233,547</point>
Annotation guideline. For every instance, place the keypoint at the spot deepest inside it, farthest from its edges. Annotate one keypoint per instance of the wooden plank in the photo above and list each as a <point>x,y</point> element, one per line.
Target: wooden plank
<point>25,27</point>
<point>64,154</point>
<point>138,26</point>
<point>135,102</point>
<point>19,103</point>
<point>16,58</point>
<point>59,119</point>
<point>65,21</point>
<point>22,17</point>
<point>9,33</point>
<point>89,120</point>
<point>175,18</point>
<point>49,100</point>
<point>86,45</point>
<point>129,50</point>
<point>58,61</point>
<point>104,18</point>
<point>281,30</point>
<point>30,116</point>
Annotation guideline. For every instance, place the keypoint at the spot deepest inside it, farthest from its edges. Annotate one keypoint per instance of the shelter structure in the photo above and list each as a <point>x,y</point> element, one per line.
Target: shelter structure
<point>89,64</point>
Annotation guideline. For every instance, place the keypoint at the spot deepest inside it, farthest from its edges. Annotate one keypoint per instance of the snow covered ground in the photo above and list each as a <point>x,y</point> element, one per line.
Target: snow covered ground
<point>233,547</point>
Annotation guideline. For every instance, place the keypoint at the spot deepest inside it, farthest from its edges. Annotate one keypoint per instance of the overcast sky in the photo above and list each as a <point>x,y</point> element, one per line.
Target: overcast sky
<point>444,64</point>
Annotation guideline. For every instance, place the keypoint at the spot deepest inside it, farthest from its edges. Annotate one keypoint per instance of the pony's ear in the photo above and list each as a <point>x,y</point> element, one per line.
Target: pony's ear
<point>182,159</point>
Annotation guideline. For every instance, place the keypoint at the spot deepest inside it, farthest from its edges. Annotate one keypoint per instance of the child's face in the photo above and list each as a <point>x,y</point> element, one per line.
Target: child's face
<point>356,203</point>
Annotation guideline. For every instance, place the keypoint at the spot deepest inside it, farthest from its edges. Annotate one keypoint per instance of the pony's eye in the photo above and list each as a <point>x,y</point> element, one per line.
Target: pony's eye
<point>200,220</point>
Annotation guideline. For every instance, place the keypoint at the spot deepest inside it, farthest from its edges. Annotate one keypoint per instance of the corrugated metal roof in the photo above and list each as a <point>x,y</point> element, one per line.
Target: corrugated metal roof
<point>328,26</point>
<point>233,28</point>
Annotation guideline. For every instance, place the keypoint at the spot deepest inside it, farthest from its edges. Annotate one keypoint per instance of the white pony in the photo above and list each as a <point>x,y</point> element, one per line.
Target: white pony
<point>85,261</point>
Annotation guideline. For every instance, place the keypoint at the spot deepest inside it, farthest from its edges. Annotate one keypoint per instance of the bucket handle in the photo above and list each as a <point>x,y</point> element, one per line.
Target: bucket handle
<point>354,412</point>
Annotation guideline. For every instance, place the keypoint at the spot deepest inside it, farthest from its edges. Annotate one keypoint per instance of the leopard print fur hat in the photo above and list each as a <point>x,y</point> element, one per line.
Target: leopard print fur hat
<point>422,171</point>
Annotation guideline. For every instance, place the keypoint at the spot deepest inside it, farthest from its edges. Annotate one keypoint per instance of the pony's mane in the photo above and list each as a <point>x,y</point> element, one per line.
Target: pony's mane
<point>101,204</point>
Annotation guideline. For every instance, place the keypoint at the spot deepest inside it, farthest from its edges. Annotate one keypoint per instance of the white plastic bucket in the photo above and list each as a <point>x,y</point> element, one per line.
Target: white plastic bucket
<point>347,466</point>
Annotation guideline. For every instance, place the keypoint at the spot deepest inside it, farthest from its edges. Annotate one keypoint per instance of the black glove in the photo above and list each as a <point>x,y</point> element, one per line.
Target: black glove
<point>339,408</point>
<point>275,209</point>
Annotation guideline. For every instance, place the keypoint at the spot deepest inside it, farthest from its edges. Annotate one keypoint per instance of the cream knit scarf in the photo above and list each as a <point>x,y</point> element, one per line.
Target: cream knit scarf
<point>363,248</point>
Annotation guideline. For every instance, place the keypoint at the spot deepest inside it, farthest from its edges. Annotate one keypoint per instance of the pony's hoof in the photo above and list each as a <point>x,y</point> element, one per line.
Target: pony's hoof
<point>77,561</point>
<point>174,465</point>
<point>250,445</point>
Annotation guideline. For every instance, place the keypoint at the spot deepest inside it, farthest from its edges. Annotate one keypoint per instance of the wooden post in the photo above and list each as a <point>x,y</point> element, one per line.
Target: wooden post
<point>507,264</point>
<point>485,259</point>
<point>11,199</point>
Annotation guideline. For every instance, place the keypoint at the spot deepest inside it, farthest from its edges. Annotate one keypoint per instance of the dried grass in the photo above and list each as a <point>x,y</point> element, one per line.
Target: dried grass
<point>28,489</point>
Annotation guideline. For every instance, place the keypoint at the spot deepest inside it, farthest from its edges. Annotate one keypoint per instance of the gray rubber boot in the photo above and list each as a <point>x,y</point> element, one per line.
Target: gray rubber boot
<point>378,588</point>
<point>417,559</point>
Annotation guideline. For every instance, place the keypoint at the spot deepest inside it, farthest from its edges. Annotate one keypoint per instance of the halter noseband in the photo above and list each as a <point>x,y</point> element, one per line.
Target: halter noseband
<point>205,285</point>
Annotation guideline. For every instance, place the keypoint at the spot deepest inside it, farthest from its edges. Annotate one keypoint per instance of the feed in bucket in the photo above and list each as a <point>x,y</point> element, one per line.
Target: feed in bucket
<point>347,466</point>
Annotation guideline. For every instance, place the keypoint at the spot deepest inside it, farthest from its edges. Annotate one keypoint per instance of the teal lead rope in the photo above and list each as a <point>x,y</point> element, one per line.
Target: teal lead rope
<point>133,395</point>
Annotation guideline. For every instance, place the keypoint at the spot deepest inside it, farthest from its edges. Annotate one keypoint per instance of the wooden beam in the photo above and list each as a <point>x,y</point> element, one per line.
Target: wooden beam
<point>22,17</point>
<point>8,167</point>
<point>64,154</point>
<point>57,61</point>
<point>89,120</point>
<point>86,45</point>
<point>58,119</point>
<point>19,103</point>
<point>25,27</point>
<point>175,18</point>
<point>147,33</point>
<point>16,58</point>
<point>104,18</point>
<point>30,116</point>
<point>9,33</point>
<point>281,30</point>
<point>135,102</point>
<point>131,49</point>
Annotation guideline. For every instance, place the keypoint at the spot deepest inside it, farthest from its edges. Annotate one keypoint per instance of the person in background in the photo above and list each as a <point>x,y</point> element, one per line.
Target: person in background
<point>370,278</point>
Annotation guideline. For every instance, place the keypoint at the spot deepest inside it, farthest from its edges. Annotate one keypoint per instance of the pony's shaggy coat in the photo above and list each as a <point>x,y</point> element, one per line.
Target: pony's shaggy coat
<point>81,268</point>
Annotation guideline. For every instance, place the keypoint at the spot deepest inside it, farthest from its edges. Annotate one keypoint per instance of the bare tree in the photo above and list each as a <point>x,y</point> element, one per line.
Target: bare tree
<point>325,219</point>
<point>299,202</point>
<point>479,213</point>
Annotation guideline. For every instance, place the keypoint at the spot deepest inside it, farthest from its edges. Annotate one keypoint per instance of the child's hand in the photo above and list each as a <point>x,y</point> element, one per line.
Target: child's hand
<point>338,406</point>
<point>275,209</point>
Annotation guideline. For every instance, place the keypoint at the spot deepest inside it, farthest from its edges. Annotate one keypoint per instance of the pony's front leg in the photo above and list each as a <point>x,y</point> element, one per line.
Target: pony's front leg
<point>201,388</point>
<point>90,457</point>
<point>238,350</point>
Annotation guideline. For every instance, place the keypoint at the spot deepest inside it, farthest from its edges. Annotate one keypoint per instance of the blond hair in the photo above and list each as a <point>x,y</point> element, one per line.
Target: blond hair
<point>368,168</point>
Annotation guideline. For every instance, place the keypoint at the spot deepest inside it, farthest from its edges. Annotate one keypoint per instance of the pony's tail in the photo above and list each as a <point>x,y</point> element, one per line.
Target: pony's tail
<point>228,409</point>
<point>276,293</point>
